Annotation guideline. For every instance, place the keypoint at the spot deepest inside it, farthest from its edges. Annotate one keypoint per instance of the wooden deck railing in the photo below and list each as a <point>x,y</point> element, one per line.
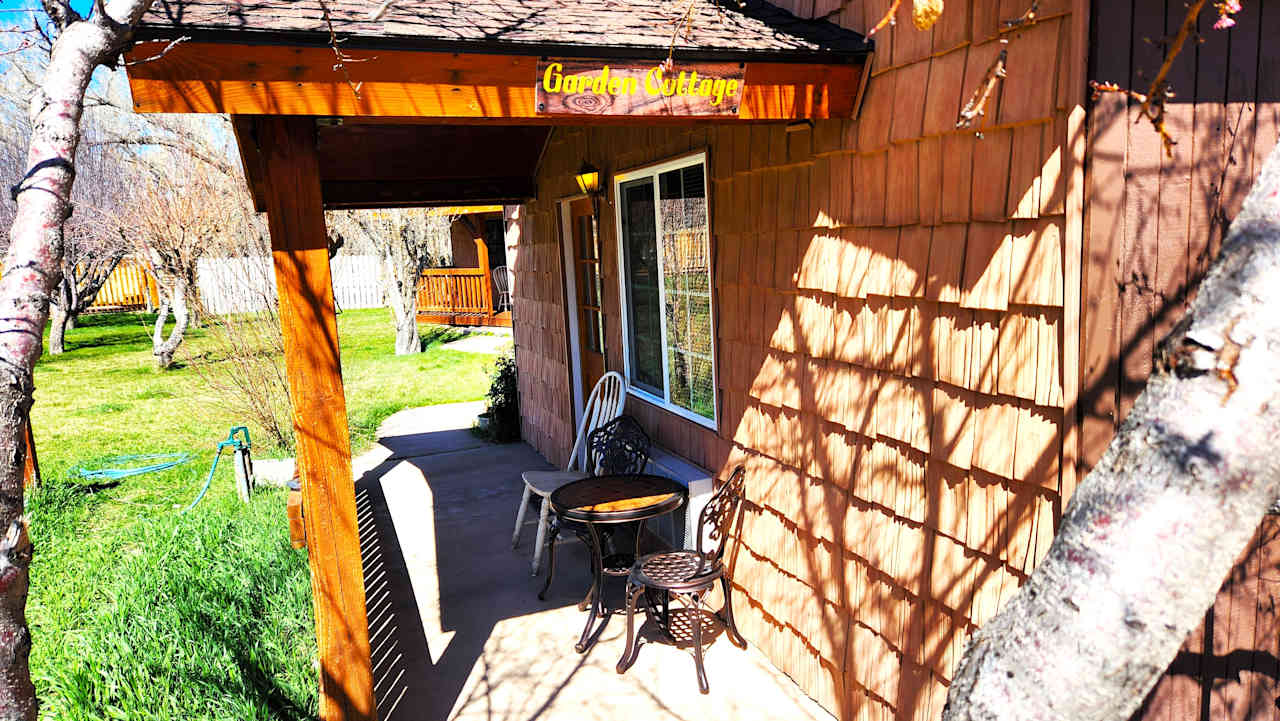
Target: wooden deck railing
<point>455,290</point>
<point>460,296</point>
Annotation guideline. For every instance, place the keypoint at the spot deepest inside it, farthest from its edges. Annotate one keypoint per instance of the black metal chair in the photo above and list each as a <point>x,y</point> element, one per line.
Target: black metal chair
<point>618,447</point>
<point>688,575</point>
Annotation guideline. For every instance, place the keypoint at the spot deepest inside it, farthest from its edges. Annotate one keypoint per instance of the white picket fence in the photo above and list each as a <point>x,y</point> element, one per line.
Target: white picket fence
<point>242,285</point>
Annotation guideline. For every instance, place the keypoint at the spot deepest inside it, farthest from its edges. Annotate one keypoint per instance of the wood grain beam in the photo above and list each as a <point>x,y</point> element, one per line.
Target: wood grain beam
<point>295,216</point>
<point>277,80</point>
<point>427,193</point>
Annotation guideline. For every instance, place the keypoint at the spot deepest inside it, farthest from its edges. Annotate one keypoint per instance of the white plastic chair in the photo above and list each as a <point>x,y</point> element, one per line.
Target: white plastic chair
<point>605,404</point>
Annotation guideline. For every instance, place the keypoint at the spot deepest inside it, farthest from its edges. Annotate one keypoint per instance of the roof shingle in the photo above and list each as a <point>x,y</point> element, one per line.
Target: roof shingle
<point>715,27</point>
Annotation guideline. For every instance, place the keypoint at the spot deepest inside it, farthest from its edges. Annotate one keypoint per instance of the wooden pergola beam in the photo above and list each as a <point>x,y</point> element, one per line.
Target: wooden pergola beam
<point>427,192</point>
<point>203,77</point>
<point>295,215</point>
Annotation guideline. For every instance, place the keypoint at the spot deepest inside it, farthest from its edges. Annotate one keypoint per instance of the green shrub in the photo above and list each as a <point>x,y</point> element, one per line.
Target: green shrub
<point>503,402</point>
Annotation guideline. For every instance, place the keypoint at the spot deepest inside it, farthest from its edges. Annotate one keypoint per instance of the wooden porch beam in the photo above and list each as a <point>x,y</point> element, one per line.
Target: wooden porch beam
<point>426,192</point>
<point>299,246</point>
<point>203,77</point>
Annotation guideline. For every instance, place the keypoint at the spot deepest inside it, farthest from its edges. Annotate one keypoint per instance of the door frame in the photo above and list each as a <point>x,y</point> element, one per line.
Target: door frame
<point>570,276</point>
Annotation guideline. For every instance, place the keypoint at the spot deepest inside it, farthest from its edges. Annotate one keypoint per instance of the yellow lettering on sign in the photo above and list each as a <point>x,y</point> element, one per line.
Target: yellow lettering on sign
<point>656,82</point>
<point>553,71</point>
<point>717,91</point>
<point>601,82</point>
<point>653,81</point>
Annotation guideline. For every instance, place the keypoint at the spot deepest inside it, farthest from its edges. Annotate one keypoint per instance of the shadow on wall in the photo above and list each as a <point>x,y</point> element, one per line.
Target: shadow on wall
<point>889,297</point>
<point>907,381</point>
<point>1155,219</point>
<point>1229,668</point>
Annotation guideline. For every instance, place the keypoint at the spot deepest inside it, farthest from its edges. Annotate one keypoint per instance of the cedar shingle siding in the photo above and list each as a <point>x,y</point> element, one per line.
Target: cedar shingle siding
<point>889,307</point>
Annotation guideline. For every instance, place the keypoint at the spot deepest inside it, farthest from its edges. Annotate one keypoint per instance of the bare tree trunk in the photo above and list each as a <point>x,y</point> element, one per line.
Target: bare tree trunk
<point>60,301</point>
<point>161,347</point>
<point>1150,534</point>
<point>402,297</point>
<point>31,269</point>
<point>157,330</point>
<point>59,323</point>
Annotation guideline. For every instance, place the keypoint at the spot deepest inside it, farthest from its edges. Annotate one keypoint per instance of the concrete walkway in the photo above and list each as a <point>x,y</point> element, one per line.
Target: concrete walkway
<point>481,343</point>
<point>456,627</point>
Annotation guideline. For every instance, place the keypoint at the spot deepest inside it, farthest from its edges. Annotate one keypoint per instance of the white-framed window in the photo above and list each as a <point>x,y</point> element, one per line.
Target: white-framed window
<point>664,267</point>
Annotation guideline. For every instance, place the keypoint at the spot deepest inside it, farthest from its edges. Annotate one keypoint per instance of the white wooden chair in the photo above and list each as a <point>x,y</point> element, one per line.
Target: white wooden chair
<point>605,404</point>
<point>502,288</point>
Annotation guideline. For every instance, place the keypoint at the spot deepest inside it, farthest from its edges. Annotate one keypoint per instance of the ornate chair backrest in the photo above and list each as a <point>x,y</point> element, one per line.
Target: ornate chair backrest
<point>619,446</point>
<point>604,404</point>
<point>720,514</point>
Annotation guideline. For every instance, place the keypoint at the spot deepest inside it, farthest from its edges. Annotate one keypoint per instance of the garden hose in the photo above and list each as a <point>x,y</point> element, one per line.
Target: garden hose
<point>244,466</point>
<point>115,474</point>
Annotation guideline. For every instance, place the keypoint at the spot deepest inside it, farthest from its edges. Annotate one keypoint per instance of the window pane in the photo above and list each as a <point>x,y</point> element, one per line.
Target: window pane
<point>686,268</point>
<point>586,240</point>
<point>593,329</point>
<point>590,285</point>
<point>639,240</point>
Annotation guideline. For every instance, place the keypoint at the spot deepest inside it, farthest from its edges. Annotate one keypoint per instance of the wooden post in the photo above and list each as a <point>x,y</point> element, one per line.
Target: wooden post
<point>486,281</point>
<point>308,320</point>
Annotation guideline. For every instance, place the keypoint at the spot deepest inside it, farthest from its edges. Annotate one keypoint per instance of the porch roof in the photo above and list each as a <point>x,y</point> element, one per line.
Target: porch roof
<point>723,29</point>
<point>405,89</point>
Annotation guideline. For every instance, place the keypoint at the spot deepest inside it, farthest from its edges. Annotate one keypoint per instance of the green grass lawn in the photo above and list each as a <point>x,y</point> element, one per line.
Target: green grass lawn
<point>140,612</point>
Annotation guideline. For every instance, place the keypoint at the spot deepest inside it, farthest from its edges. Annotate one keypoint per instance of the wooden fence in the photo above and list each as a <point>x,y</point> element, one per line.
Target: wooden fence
<point>129,287</point>
<point>242,285</point>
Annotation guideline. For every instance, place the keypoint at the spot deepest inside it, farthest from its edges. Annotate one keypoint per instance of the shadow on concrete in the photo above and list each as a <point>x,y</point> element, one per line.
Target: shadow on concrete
<point>456,628</point>
<point>464,542</point>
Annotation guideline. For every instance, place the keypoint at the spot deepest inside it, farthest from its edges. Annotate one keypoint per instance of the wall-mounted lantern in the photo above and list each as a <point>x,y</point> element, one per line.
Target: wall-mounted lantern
<point>588,178</point>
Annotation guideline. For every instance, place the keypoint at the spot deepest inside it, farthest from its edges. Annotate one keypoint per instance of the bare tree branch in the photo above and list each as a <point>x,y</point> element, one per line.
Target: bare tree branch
<point>1152,102</point>
<point>976,108</point>
<point>340,58</point>
<point>163,51</point>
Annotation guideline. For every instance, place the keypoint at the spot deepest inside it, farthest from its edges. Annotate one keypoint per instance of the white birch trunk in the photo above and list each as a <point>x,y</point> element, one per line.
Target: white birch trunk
<point>161,347</point>
<point>32,267</point>
<point>1150,534</point>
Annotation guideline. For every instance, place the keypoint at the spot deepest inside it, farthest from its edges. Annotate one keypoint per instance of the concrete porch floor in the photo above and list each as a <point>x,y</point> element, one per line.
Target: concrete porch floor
<point>456,627</point>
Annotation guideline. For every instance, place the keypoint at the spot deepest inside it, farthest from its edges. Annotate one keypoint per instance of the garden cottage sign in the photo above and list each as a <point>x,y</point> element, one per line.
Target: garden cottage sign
<point>601,87</point>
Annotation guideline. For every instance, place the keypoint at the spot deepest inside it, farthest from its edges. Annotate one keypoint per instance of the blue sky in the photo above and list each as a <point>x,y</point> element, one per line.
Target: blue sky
<point>18,12</point>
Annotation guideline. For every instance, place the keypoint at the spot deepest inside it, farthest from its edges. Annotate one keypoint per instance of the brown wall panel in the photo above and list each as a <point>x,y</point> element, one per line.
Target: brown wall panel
<point>890,355</point>
<point>1154,221</point>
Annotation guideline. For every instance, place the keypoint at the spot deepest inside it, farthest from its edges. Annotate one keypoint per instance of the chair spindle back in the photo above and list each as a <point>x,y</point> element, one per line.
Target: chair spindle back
<point>605,404</point>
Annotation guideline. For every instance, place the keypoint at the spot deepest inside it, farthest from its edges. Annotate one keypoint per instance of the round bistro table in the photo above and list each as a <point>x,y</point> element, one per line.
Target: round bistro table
<point>613,499</point>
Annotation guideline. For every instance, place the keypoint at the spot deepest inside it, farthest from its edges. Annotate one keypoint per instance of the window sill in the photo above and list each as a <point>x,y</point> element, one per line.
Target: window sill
<point>658,401</point>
